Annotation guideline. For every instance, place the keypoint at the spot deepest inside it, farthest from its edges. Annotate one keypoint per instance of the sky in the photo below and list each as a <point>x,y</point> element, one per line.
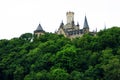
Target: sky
<point>23,16</point>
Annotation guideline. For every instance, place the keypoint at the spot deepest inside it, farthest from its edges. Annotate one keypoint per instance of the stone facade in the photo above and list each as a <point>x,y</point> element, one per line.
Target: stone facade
<point>71,30</point>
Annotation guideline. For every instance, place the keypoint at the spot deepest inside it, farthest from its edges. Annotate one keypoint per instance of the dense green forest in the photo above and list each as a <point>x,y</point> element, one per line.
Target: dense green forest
<point>54,57</point>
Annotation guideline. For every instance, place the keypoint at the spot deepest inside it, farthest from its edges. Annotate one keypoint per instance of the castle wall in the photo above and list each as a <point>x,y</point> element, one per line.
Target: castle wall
<point>61,31</point>
<point>39,34</point>
<point>75,36</point>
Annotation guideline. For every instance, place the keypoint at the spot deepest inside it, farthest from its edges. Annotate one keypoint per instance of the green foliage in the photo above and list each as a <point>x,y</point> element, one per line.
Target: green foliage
<point>54,57</point>
<point>26,36</point>
<point>59,74</point>
<point>75,75</point>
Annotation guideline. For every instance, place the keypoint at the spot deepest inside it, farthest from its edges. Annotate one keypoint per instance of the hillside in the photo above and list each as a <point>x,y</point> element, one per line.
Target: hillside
<point>54,57</point>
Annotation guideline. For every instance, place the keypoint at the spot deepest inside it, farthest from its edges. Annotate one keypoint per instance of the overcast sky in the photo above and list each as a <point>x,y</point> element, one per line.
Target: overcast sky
<point>22,16</point>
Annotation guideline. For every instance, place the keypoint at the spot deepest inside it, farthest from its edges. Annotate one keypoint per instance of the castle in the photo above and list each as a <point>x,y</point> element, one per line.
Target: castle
<point>69,29</point>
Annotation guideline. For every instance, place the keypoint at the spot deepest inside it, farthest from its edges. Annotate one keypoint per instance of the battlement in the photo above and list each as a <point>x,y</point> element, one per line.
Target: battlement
<point>70,13</point>
<point>70,17</point>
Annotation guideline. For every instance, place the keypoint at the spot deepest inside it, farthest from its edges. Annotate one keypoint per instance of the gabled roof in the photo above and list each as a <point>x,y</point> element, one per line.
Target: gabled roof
<point>85,23</point>
<point>39,29</point>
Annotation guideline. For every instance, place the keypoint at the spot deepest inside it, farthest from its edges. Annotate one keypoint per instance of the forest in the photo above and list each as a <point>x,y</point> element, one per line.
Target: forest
<point>55,57</point>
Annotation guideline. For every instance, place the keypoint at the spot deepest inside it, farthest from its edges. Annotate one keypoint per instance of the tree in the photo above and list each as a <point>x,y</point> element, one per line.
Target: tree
<point>59,74</point>
<point>27,37</point>
<point>54,57</point>
<point>109,38</point>
<point>112,69</point>
<point>75,75</point>
<point>65,57</point>
<point>19,73</point>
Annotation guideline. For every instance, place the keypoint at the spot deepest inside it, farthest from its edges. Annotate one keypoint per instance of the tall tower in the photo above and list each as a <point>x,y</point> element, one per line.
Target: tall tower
<point>70,17</point>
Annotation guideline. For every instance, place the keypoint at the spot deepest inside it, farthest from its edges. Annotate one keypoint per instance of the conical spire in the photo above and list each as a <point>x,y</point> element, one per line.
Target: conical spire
<point>77,23</point>
<point>85,23</point>
<point>61,25</point>
<point>39,29</point>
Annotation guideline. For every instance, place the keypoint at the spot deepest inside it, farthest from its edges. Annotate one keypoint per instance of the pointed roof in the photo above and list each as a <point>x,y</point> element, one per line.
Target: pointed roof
<point>77,23</point>
<point>61,25</point>
<point>39,29</point>
<point>85,23</point>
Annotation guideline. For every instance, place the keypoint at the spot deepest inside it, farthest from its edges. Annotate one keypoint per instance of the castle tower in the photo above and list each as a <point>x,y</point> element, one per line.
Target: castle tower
<point>39,31</point>
<point>86,26</point>
<point>70,17</point>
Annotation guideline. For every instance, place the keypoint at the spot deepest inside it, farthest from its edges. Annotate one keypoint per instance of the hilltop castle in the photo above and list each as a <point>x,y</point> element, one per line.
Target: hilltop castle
<point>69,29</point>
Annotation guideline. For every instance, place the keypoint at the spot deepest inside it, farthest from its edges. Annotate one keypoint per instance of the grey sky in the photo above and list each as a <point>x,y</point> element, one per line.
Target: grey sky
<point>22,16</point>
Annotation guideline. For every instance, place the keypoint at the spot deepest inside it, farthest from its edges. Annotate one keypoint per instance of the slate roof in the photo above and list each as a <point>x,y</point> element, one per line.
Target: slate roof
<point>62,24</point>
<point>85,23</point>
<point>39,29</point>
<point>75,32</point>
